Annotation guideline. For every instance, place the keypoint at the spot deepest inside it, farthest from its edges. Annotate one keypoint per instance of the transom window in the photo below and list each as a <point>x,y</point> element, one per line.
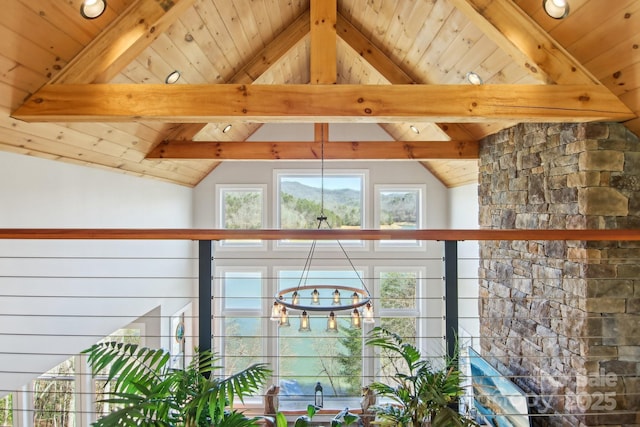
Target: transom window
<point>241,208</point>
<point>399,207</point>
<point>301,199</point>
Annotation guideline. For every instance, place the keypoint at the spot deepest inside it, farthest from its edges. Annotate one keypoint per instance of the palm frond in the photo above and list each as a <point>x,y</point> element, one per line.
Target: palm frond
<point>149,393</point>
<point>127,363</point>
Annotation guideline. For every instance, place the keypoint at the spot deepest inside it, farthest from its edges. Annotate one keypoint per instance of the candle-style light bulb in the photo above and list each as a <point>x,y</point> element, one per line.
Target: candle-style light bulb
<point>284,318</point>
<point>332,323</point>
<point>336,297</point>
<point>355,319</point>
<point>368,313</point>
<point>305,326</point>
<point>315,297</point>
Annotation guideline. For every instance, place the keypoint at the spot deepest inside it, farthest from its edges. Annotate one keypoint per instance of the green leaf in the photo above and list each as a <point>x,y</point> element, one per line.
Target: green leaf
<point>281,420</point>
<point>311,411</point>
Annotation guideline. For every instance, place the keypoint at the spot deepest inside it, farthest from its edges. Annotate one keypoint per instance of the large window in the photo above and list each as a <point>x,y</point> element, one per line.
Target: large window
<point>244,286</point>
<point>301,198</point>
<point>333,359</point>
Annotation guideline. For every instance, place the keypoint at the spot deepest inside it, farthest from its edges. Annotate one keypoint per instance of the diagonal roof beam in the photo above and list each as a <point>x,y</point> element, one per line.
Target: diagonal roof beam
<point>311,150</point>
<point>388,68</point>
<point>257,66</point>
<point>322,103</point>
<point>525,41</point>
<point>122,41</point>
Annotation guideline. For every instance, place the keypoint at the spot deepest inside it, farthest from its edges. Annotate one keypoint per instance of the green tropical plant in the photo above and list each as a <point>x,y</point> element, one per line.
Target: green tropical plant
<point>421,394</point>
<point>148,392</point>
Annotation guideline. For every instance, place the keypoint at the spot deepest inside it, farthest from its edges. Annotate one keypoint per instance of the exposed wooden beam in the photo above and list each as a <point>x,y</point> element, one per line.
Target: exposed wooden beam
<point>257,66</point>
<point>314,234</point>
<point>525,41</point>
<point>311,150</point>
<point>275,50</point>
<point>122,41</point>
<point>388,68</point>
<point>371,53</point>
<point>326,103</point>
<point>323,63</point>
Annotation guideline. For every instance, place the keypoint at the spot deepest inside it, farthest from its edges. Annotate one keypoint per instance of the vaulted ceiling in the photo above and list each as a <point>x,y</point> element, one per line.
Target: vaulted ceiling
<point>93,91</point>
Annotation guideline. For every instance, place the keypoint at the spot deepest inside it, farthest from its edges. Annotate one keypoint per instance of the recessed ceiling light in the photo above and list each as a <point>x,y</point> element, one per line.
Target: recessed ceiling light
<point>474,78</point>
<point>173,77</point>
<point>91,9</point>
<point>414,129</point>
<point>227,128</point>
<point>557,9</point>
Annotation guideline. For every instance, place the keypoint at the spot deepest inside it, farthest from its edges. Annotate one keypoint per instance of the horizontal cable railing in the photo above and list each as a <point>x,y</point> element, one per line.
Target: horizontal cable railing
<point>555,327</point>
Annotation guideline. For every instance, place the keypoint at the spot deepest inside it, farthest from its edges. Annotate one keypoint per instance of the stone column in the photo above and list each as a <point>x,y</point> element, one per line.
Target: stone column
<point>562,319</point>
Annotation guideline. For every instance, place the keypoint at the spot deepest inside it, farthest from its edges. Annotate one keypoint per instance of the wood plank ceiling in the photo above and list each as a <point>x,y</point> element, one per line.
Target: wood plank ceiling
<point>93,92</point>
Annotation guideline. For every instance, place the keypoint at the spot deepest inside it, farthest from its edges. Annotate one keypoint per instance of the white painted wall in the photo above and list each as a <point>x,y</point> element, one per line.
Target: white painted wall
<point>463,214</point>
<point>58,297</point>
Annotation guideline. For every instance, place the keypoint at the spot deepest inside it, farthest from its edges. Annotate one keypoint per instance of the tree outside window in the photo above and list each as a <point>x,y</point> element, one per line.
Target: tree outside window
<point>242,324</point>
<point>6,411</point>
<point>399,207</point>
<point>399,314</point>
<point>54,396</point>
<point>241,208</point>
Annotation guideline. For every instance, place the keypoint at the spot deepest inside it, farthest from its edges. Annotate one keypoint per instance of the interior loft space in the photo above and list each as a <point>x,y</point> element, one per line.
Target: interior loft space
<point>163,165</point>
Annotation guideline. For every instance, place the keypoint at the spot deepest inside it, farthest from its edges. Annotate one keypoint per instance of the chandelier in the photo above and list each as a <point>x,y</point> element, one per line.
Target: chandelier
<point>327,298</point>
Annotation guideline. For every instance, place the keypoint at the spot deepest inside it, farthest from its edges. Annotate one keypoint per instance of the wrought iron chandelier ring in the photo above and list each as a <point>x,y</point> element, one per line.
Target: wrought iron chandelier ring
<point>286,297</point>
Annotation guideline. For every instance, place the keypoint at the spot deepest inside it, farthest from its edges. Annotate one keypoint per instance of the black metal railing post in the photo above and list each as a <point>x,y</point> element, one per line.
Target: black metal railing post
<point>451,296</point>
<point>204,294</point>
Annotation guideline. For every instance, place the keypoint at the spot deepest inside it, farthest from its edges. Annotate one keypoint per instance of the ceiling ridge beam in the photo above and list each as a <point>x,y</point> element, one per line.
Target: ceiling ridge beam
<point>312,150</point>
<point>322,103</point>
<point>323,63</point>
<point>122,41</point>
<point>525,41</point>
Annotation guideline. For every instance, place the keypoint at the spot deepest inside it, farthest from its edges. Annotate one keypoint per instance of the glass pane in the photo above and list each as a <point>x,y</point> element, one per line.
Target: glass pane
<point>125,336</point>
<point>242,209</point>
<point>53,397</point>
<point>242,343</point>
<point>242,290</point>
<point>103,388</point>
<point>6,411</point>
<point>398,289</point>
<point>399,209</point>
<point>333,359</point>
<point>389,363</point>
<point>301,200</point>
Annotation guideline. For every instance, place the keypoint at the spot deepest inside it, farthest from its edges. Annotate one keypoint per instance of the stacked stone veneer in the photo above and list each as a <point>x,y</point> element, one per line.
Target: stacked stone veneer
<point>562,318</point>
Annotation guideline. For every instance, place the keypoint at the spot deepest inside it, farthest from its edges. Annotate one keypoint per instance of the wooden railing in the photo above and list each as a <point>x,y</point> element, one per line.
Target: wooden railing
<point>335,234</point>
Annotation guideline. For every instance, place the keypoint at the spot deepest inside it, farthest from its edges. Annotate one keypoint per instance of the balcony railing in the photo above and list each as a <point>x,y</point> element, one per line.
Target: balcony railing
<point>63,289</point>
